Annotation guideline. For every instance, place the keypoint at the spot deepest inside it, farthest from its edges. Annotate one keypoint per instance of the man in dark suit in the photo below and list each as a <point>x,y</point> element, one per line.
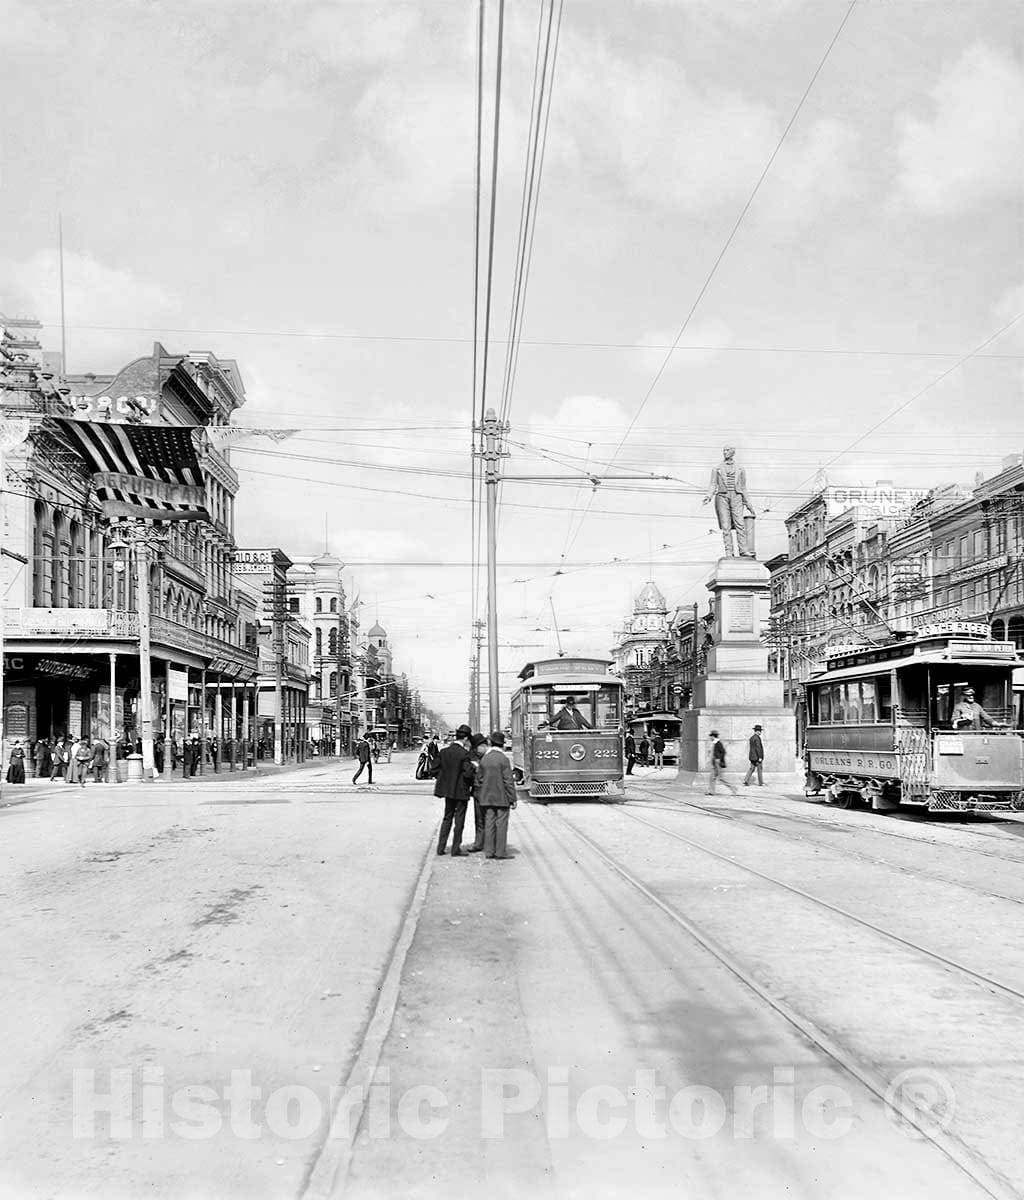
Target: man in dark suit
<point>569,716</point>
<point>362,750</point>
<point>756,756</point>
<point>630,753</point>
<point>497,793</point>
<point>454,782</point>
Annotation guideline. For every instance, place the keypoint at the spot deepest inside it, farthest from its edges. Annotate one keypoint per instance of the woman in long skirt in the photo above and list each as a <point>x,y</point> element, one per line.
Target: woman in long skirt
<point>16,770</point>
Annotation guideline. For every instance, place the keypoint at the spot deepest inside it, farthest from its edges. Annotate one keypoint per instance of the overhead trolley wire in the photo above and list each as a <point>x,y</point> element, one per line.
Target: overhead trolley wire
<point>725,247</point>
<point>533,172</point>
<point>918,394</point>
<point>493,207</point>
<point>475,489</point>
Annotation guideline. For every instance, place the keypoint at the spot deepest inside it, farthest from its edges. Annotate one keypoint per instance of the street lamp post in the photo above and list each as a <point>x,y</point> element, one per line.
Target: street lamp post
<point>136,539</point>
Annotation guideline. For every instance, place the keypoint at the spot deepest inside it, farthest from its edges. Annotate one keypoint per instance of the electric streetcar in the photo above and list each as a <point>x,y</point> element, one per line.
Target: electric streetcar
<point>651,724</point>
<point>567,729</point>
<point>926,722</point>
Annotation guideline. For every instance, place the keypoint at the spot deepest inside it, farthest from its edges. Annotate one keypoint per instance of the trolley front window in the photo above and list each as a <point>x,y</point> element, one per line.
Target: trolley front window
<point>607,704</point>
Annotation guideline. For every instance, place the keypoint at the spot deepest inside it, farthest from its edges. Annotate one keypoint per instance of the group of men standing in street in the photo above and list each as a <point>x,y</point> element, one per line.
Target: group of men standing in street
<point>640,752</point>
<point>475,767</point>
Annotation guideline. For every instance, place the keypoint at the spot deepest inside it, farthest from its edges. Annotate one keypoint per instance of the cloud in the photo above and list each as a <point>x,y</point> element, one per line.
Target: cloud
<point>631,126</point>
<point>969,152</point>
<point>346,35</point>
<point>815,171</point>
<point>652,135</point>
<point>706,337</point>
<point>96,295</point>
<point>29,29</point>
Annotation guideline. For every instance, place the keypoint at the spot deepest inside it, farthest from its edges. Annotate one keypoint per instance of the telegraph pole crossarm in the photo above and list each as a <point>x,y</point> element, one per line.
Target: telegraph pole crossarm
<point>492,454</point>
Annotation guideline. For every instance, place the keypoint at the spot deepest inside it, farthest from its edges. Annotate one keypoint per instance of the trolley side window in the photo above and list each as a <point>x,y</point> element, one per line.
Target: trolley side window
<point>536,707</point>
<point>883,686</point>
<point>608,714</point>
<point>855,702</point>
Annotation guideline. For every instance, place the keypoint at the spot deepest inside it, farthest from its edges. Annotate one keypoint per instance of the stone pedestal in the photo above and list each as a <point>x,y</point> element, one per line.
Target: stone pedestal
<point>738,692</point>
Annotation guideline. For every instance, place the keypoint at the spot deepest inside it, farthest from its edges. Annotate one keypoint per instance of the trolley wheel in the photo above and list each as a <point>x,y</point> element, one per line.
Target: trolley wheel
<point>846,800</point>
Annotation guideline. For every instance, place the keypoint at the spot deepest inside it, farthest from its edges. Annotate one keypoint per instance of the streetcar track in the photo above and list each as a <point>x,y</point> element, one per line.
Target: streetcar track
<point>911,872</point>
<point>983,980</point>
<point>966,1159</point>
<point>887,833</point>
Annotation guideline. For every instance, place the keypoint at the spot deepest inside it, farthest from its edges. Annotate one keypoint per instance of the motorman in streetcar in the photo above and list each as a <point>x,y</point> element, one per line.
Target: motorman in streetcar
<point>969,714</point>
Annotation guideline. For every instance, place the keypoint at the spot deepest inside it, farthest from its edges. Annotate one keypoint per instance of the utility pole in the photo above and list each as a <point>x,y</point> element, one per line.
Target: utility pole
<point>275,593</point>
<point>342,620</point>
<point>474,674</point>
<point>492,455</point>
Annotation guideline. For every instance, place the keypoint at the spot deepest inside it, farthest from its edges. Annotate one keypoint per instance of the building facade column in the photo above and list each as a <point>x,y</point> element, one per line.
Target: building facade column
<point>112,722</point>
<point>234,726</point>
<point>218,724</point>
<point>202,720</point>
<point>247,723</point>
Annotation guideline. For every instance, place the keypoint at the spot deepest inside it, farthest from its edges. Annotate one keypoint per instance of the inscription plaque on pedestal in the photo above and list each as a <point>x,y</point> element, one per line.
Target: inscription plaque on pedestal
<point>740,613</point>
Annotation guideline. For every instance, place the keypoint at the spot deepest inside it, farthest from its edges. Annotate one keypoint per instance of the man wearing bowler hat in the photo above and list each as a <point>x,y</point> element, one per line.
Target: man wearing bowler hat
<point>454,784</point>
<point>756,756</point>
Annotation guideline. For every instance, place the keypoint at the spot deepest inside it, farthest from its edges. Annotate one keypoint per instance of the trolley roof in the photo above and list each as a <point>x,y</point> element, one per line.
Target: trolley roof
<point>981,654</point>
<point>582,683</point>
<point>565,668</point>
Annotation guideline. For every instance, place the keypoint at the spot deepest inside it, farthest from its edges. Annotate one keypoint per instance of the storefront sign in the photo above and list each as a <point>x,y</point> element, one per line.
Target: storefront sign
<point>996,563</point>
<point>177,686</point>
<point>16,721</point>
<point>953,627</point>
<point>75,718</point>
<point>249,561</point>
<point>49,666</point>
<point>63,622</point>
<point>119,411</point>
<point>884,500</point>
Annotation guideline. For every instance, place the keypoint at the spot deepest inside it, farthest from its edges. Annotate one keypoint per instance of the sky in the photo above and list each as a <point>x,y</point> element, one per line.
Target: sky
<point>291,184</point>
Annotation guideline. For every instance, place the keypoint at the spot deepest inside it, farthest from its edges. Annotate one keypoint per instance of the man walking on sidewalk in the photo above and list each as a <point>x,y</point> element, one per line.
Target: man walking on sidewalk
<point>718,765</point>
<point>363,753</point>
<point>756,755</point>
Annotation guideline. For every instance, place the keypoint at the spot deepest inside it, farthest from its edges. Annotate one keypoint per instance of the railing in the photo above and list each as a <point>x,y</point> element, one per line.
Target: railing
<point>63,624</point>
<point>70,623</point>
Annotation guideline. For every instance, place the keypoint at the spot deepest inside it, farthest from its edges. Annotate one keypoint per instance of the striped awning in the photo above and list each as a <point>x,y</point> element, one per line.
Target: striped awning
<point>147,471</point>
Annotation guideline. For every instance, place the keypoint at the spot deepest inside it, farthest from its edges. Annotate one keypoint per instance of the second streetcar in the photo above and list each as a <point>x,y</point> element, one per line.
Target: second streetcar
<point>567,729</point>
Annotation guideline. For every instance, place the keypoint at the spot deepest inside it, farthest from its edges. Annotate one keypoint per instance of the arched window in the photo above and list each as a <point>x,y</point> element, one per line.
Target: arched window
<point>319,641</point>
<point>1015,632</point>
<point>334,604</point>
<point>319,604</point>
<point>332,641</point>
<point>334,684</point>
<point>76,566</point>
<point>42,556</point>
<point>998,630</point>
<point>58,560</point>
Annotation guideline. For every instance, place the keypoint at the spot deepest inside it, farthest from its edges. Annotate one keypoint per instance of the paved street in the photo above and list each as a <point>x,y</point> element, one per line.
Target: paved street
<point>738,978</point>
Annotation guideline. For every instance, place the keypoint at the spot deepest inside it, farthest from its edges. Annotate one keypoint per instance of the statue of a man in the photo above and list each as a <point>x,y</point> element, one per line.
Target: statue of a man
<point>728,489</point>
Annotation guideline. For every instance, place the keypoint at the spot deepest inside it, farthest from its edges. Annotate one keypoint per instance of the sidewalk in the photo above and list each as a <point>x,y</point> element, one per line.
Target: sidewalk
<point>35,789</point>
